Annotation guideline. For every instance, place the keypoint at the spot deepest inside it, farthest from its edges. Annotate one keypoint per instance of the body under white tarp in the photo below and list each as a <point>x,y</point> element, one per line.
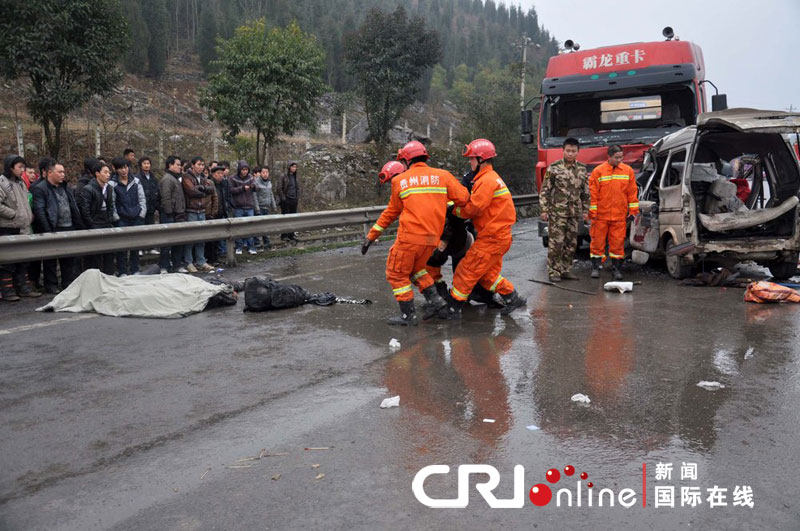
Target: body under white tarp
<point>162,296</point>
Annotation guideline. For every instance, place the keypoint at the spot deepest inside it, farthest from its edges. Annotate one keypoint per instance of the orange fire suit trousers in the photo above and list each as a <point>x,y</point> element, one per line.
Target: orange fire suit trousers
<point>482,265</point>
<point>613,231</point>
<point>406,265</point>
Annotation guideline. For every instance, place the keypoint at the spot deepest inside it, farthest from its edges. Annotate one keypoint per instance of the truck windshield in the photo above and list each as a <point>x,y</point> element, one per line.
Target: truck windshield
<point>641,115</point>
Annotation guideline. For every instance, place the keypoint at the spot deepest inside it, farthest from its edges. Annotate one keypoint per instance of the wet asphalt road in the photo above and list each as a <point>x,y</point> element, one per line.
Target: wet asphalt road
<point>141,424</point>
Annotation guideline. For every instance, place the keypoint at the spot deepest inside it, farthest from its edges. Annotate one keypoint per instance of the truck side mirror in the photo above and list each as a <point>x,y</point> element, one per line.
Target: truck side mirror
<point>526,122</point>
<point>526,118</point>
<point>719,102</point>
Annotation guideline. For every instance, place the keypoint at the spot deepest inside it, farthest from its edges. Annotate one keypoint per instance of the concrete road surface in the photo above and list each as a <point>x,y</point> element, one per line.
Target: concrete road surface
<point>114,423</point>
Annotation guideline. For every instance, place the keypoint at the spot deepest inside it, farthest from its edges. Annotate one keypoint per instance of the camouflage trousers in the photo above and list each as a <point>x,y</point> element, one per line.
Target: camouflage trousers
<point>563,236</point>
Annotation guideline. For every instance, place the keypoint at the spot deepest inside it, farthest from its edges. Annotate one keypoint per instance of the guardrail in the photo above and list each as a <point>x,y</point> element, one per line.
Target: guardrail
<point>25,248</point>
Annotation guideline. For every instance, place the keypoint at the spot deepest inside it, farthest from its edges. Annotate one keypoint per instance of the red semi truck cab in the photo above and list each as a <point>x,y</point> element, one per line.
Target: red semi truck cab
<point>627,94</point>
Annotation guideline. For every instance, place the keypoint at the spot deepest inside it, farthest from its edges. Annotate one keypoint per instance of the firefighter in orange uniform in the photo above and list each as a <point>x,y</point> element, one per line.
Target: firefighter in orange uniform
<point>614,198</point>
<point>492,212</point>
<point>419,198</point>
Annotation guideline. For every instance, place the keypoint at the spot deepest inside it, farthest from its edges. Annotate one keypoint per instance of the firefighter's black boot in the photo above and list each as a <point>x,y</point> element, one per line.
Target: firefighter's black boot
<point>441,289</point>
<point>452,310</point>
<point>513,301</point>
<point>616,268</point>
<point>407,317</point>
<point>595,268</point>
<point>434,302</point>
<point>482,295</point>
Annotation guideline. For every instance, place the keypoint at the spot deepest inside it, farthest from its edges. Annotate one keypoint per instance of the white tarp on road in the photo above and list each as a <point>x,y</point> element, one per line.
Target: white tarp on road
<point>164,296</point>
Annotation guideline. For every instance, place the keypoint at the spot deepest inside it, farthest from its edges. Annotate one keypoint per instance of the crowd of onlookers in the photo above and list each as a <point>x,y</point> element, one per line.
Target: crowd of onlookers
<point>125,193</point>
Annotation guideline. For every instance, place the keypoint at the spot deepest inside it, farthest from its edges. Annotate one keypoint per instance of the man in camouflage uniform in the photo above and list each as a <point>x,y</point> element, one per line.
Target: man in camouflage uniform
<point>563,202</point>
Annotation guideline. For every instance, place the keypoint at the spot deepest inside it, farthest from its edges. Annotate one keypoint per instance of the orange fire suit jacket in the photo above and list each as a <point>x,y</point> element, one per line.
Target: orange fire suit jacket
<point>490,206</point>
<point>421,194</point>
<point>613,192</point>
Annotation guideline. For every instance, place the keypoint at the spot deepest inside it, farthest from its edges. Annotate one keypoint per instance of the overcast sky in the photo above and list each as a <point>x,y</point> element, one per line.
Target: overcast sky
<point>751,47</point>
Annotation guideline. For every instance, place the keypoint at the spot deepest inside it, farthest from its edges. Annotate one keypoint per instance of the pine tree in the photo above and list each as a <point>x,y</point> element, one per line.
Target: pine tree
<point>156,17</point>
<point>135,59</point>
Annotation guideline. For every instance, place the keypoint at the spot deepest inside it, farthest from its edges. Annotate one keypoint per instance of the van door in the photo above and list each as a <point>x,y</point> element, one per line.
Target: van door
<point>676,209</point>
<point>644,232</point>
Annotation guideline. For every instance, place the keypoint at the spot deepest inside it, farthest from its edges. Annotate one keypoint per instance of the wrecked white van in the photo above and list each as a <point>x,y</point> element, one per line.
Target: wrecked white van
<point>724,190</point>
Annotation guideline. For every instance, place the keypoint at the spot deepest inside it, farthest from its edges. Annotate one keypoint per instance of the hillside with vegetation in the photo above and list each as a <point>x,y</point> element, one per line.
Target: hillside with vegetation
<point>472,89</point>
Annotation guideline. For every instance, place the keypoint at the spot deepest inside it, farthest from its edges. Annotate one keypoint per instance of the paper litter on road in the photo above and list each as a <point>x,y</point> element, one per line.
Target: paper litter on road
<point>390,402</point>
<point>532,427</point>
<point>394,343</point>
<point>751,352</point>
<point>710,386</point>
<point>583,399</point>
<point>622,287</point>
<point>490,421</point>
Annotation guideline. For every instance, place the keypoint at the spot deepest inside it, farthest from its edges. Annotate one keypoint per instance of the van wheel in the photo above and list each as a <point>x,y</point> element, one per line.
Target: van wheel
<point>676,267</point>
<point>545,241</point>
<point>784,269</point>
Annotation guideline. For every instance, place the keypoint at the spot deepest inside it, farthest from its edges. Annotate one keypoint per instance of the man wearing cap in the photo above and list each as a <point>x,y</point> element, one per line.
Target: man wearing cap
<point>288,191</point>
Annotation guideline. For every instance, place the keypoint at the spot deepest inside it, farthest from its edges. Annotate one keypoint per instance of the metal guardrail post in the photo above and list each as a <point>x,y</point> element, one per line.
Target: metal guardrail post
<point>230,252</point>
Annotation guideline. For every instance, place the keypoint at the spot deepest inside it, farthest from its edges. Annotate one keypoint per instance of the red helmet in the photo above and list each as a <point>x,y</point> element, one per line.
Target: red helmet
<point>481,148</point>
<point>412,150</point>
<point>390,169</point>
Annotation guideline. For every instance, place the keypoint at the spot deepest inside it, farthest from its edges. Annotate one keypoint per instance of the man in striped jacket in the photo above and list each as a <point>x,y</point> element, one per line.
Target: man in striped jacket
<point>614,197</point>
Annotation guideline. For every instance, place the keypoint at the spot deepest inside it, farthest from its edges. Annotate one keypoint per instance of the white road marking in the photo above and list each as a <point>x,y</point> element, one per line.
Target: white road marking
<point>45,324</point>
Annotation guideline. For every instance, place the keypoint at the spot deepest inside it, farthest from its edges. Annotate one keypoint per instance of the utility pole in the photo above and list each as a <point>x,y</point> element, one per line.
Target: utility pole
<point>525,42</point>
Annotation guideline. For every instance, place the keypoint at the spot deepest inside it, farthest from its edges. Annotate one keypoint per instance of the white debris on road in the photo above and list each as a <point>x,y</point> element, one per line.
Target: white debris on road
<point>583,399</point>
<point>710,386</point>
<point>390,402</point>
<point>751,352</point>
<point>622,287</point>
<point>394,343</point>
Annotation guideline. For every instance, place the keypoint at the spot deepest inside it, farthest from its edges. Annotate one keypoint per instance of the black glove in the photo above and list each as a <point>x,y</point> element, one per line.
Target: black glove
<point>200,188</point>
<point>631,217</point>
<point>365,245</point>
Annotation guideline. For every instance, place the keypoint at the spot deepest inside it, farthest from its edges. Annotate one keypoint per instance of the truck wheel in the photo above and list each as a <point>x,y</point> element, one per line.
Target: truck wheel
<point>545,241</point>
<point>784,269</point>
<point>676,267</point>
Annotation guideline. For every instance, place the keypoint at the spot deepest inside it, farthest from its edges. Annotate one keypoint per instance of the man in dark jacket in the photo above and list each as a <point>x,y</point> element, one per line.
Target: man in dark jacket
<point>242,187</point>
<point>55,210</point>
<point>198,193</point>
<point>98,211</point>
<point>288,191</point>
<point>173,209</point>
<point>15,218</point>
<point>131,205</point>
<point>151,192</point>
<point>216,250</point>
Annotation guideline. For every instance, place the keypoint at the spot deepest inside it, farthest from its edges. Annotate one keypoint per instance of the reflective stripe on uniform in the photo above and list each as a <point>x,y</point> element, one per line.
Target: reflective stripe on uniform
<point>424,190</point>
<point>633,205</point>
<point>404,289</point>
<point>377,228</point>
<point>613,178</point>
<point>496,282</point>
<point>592,207</point>
<point>596,256</point>
<point>458,295</point>
<point>501,191</point>
<point>457,211</point>
<point>419,274</point>
<point>612,255</point>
